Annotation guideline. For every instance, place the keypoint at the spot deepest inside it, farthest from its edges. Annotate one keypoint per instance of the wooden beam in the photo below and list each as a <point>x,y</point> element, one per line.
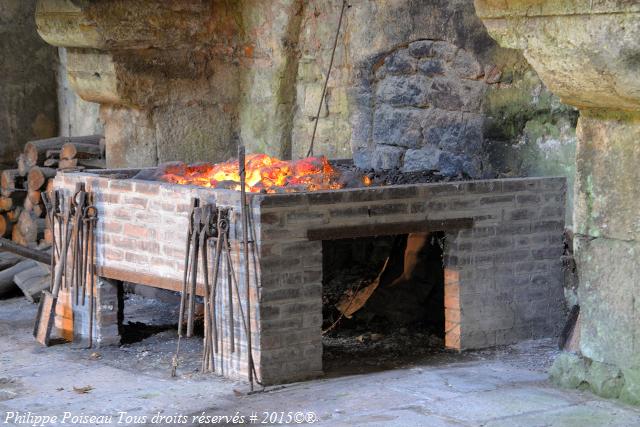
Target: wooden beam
<point>371,230</point>
<point>145,279</point>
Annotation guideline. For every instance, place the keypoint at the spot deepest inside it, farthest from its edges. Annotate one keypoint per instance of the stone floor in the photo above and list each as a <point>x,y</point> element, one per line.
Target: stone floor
<point>501,387</point>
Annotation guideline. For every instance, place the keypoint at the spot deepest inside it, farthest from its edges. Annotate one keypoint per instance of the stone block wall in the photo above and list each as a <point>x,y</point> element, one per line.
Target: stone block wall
<point>503,276</point>
<point>253,71</point>
<point>426,108</point>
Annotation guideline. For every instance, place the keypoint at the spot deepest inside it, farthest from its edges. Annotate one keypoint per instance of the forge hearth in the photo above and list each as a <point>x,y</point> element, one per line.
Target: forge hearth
<point>502,269</point>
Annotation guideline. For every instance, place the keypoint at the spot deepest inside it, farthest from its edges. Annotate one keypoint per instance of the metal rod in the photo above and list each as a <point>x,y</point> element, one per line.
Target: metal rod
<point>222,229</point>
<point>326,80</point>
<point>245,244</point>
<point>194,204</point>
<point>191,308</point>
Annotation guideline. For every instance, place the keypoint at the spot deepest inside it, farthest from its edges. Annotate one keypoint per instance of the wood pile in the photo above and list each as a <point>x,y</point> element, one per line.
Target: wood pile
<point>22,210</point>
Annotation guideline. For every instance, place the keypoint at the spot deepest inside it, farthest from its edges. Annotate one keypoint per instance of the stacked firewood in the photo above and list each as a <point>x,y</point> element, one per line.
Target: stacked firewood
<point>22,211</point>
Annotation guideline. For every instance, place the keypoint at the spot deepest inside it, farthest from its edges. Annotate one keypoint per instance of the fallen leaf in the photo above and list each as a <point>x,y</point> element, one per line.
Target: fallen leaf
<point>83,390</point>
<point>95,356</point>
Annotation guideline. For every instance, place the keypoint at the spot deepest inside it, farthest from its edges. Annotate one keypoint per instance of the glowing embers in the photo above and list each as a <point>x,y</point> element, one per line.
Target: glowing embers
<point>264,174</point>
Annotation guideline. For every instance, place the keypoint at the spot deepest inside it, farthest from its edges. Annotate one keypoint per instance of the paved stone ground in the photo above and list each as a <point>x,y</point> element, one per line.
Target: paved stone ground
<point>503,387</point>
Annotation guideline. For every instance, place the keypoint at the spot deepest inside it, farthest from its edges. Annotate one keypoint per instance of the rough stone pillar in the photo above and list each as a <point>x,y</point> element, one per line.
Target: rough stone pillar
<point>164,72</point>
<point>588,53</point>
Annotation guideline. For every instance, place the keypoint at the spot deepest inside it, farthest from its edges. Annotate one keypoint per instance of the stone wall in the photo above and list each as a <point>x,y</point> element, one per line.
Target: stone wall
<point>587,53</point>
<point>415,85</point>
<point>27,80</point>
<point>510,126</point>
<point>77,116</point>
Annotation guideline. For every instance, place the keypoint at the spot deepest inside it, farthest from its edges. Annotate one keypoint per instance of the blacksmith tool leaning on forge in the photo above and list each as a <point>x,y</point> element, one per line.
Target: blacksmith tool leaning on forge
<point>46,311</point>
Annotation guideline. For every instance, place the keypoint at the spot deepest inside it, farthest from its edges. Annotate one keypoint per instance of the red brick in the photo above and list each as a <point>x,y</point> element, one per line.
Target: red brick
<point>173,251</point>
<point>122,214</point>
<point>150,188</point>
<point>112,227</point>
<point>112,254</point>
<point>121,185</point>
<point>138,231</point>
<point>138,202</point>
<point>136,258</point>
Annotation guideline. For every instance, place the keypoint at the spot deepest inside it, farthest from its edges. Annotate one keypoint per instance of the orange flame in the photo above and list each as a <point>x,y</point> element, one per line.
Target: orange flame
<point>263,174</point>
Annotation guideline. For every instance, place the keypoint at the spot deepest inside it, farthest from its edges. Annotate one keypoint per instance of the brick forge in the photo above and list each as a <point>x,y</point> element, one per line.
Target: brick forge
<point>503,273</point>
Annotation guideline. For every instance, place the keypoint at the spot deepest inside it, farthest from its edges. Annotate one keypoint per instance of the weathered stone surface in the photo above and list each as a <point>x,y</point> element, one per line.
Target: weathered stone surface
<point>140,24</point>
<point>77,117</point>
<point>446,94</point>
<point>431,67</point>
<point>396,126</point>
<point>570,371</point>
<point>259,67</point>
<point>576,371</point>
<point>466,66</point>
<point>27,81</point>
<point>608,199</point>
<point>608,292</point>
<point>605,380</point>
<point>404,90</point>
<point>401,62</point>
<point>386,157</point>
<point>566,44</point>
<point>630,392</point>
<point>426,158</point>
<point>443,89</point>
<point>421,49</point>
<point>584,52</point>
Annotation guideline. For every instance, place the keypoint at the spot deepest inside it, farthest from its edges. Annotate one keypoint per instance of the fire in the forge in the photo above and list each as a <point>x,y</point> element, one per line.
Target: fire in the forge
<point>264,174</point>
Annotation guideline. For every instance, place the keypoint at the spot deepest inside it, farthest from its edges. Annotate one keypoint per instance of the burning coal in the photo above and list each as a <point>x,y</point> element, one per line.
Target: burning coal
<point>265,174</point>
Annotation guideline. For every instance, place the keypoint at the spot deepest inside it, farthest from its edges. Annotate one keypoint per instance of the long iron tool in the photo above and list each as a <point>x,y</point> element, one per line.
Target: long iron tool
<point>187,257</point>
<point>191,308</point>
<point>245,244</point>
<point>46,310</point>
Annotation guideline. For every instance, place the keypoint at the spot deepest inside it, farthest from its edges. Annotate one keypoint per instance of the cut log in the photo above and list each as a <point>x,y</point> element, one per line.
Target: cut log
<point>67,164</point>
<point>23,165</point>
<point>51,163</point>
<point>38,209</point>
<point>10,180</point>
<point>5,226</point>
<point>37,177</point>
<point>31,227</point>
<point>48,236</point>
<point>17,237</point>
<point>7,284</point>
<point>72,150</point>
<point>53,154</point>
<point>6,203</point>
<point>14,215</point>
<point>33,281</point>
<point>7,259</point>
<point>35,152</point>
<point>34,252</point>
<point>34,196</point>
